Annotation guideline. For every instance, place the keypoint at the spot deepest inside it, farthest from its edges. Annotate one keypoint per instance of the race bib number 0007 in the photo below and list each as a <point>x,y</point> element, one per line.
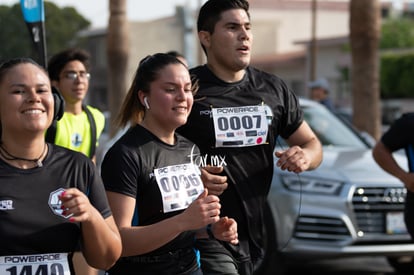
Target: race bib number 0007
<point>39,264</point>
<point>240,126</point>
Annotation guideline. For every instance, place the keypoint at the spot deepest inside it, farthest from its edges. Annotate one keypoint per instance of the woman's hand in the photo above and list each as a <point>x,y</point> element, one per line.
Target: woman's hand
<point>76,205</point>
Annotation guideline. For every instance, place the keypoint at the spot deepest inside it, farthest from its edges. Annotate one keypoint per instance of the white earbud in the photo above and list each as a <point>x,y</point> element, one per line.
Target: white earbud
<point>146,103</point>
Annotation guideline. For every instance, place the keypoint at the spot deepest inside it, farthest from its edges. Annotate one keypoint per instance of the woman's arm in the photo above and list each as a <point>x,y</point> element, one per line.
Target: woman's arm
<point>101,241</point>
<point>137,240</point>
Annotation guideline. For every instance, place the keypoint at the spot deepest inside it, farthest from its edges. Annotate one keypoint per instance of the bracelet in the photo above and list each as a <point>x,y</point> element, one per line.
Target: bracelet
<point>210,232</point>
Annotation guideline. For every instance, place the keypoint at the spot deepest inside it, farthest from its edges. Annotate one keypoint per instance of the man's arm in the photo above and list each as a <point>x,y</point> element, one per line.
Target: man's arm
<point>304,153</point>
<point>384,158</point>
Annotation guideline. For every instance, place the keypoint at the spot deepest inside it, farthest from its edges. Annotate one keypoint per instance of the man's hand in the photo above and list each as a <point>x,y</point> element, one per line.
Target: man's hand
<point>226,230</point>
<point>215,183</point>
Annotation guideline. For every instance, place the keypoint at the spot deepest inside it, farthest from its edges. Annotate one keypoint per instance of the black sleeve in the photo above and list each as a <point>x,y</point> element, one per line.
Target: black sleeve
<point>398,136</point>
<point>120,171</point>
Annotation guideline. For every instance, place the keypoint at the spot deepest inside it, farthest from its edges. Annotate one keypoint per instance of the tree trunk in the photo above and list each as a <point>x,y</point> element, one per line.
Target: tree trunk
<point>117,53</point>
<point>365,24</point>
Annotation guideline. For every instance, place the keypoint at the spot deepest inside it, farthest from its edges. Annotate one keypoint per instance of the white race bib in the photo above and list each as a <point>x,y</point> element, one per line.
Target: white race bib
<point>42,264</point>
<point>179,184</point>
<point>240,126</point>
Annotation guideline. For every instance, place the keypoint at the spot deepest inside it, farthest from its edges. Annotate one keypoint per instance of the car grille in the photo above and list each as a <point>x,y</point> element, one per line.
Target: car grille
<point>321,228</point>
<point>372,204</point>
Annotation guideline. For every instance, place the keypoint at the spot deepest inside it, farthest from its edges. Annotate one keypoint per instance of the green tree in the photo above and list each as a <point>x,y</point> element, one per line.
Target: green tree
<point>397,33</point>
<point>61,24</point>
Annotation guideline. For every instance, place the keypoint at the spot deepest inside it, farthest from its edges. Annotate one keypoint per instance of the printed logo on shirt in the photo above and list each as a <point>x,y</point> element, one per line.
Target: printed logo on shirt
<point>207,160</point>
<point>206,113</point>
<point>6,205</point>
<point>76,140</point>
<point>56,204</point>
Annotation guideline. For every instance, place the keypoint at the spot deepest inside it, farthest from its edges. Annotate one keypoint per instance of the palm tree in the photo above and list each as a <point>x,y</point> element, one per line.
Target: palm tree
<point>117,53</point>
<point>365,23</point>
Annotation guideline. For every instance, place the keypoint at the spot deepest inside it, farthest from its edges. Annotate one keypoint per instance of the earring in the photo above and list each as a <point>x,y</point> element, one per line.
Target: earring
<point>146,103</point>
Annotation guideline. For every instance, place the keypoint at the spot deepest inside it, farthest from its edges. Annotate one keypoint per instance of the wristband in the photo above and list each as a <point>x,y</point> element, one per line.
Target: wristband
<point>209,232</point>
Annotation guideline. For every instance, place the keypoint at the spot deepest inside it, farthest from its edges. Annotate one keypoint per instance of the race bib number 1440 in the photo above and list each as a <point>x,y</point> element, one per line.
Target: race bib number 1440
<point>39,264</point>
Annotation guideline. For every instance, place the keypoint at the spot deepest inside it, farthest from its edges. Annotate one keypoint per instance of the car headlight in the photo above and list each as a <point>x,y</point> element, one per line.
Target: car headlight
<point>311,185</point>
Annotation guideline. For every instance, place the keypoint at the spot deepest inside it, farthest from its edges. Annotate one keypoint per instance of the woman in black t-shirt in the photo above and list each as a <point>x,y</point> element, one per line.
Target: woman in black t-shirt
<point>152,181</point>
<point>51,199</point>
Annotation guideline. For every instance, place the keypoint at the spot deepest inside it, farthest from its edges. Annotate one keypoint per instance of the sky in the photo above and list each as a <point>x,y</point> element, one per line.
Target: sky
<point>97,11</point>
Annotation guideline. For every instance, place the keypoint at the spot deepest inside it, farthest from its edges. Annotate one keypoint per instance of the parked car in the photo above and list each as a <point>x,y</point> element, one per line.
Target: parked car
<point>346,207</point>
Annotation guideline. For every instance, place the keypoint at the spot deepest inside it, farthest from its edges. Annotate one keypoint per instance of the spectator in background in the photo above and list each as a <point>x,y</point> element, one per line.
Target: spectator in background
<point>400,135</point>
<point>319,90</point>
<point>81,125</point>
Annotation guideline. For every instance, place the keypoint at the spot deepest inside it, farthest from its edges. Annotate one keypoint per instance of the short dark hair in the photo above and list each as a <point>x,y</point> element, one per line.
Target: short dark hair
<point>58,61</point>
<point>210,12</point>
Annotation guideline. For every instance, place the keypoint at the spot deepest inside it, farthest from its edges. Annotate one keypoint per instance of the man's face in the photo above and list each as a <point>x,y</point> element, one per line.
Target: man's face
<point>318,93</point>
<point>73,82</point>
<point>229,46</point>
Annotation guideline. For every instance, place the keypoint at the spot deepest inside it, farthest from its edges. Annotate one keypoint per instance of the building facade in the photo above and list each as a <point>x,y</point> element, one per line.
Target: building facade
<point>283,43</point>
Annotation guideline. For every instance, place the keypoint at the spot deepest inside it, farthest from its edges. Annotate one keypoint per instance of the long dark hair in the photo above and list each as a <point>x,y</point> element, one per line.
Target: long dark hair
<point>132,110</point>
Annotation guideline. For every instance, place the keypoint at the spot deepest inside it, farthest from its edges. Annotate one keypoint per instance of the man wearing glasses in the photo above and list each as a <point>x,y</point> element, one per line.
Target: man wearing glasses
<point>81,125</point>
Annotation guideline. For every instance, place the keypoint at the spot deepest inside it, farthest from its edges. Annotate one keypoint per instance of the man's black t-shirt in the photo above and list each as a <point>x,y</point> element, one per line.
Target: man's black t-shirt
<point>249,168</point>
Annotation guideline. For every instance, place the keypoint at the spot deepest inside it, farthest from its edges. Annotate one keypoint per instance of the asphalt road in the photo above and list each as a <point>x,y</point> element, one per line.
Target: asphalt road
<point>348,266</point>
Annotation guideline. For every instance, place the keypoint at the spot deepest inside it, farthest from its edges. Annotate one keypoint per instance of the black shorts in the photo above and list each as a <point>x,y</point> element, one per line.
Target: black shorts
<point>182,261</point>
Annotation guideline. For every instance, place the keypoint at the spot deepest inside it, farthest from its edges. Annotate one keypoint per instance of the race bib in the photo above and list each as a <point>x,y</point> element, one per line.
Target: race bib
<point>38,264</point>
<point>179,184</point>
<point>240,126</point>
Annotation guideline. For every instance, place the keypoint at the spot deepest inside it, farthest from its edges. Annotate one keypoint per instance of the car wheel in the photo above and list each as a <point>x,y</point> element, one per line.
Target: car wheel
<point>403,264</point>
<point>273,262</point>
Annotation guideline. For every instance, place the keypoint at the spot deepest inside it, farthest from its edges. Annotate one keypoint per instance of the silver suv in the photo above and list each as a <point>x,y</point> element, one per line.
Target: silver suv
<point>347,207</point>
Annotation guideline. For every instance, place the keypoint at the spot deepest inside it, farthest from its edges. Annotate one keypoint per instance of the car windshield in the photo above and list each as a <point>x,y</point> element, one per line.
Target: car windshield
<point>330,129</point>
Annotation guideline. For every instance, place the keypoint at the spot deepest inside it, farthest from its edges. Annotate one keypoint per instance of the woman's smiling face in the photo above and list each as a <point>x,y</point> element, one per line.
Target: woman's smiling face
<point>170,98</point>
<point>26,100</point>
